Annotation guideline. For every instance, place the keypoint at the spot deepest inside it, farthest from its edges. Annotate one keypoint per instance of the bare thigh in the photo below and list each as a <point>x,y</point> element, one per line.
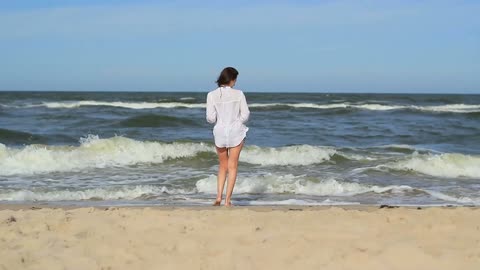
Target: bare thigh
<point>234,153</point>
<point>222,153</point>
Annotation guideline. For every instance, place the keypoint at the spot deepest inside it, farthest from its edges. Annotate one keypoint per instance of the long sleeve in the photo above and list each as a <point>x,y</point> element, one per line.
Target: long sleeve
<point>211,112</point>
<point>244,111</point>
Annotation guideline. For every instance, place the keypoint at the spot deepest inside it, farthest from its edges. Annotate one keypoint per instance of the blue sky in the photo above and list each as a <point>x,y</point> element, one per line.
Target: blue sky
<point>325,46</point>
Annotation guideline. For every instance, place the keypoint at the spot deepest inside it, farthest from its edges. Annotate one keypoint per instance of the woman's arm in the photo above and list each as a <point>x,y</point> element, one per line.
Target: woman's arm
<point>244,111</point>
<point>211,112</point>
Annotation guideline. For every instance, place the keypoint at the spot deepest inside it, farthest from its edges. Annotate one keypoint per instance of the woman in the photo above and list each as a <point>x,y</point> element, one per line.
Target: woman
<point>227,108</point>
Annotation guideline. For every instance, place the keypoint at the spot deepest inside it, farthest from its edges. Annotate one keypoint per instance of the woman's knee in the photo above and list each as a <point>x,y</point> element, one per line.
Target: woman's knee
<point>232,165</point>
<point>223,166</point>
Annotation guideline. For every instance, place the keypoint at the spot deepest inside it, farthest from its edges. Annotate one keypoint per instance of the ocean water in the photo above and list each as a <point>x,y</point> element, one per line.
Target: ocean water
<point>80,148</point>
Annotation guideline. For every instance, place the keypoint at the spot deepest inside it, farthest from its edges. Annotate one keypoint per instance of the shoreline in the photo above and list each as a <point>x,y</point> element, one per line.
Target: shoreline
<point>360,207</point>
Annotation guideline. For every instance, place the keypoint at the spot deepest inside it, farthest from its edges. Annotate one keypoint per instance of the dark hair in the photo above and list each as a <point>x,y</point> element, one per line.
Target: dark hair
<point>228,74</point>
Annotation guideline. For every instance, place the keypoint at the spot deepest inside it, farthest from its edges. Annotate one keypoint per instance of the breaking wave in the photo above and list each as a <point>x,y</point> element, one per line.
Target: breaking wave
<point>441,165</point>
<point>451,198</point>
<point>93,152</point>
<point>290,184</point>
<point>266,184</point>
<point>287,155</point>
<point>452,108</point>
<point>121,104</point>
<point>118,151</point>
<point>271,183</point>
<point>110,193</point>
<point>295,202</point>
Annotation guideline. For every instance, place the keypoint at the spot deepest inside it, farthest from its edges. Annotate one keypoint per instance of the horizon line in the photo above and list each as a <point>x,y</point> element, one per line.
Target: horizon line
<point>258,91</point>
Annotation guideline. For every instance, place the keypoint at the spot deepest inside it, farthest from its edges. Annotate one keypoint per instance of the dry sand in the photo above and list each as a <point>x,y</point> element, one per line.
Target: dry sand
<point>239,238</point>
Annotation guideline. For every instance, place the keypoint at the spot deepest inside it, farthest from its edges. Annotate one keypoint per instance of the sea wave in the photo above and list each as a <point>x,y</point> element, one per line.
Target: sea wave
<point>119,151</point>
<point>456,108</point>
<point>108,193</point>
<point>290,184</point>
<point>187,98</point>
<point>451,108</point>
<point>271,183</point>
<point>264,184</point>
<point>443,165</point>
<point>404,148</point>
<point>451,198</point>
<point>287,155</point>
<point>93,152</point>
<point>121,104</point>
<point>451,165</point>
<point>156,120</point>
<point>293,202</point>
<point>16,136</point>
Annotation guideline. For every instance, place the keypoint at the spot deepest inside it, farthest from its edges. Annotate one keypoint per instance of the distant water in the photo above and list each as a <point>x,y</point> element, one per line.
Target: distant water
<point>309,149</point>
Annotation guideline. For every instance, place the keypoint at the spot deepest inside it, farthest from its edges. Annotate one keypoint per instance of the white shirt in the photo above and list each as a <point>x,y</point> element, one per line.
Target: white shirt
<point>227,108</point>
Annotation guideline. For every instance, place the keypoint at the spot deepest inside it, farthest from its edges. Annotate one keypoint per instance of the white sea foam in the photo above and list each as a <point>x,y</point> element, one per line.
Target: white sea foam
<point>294,202</point>
<point>411,148</point>
<point>110,193</point>
<point>330,106</point>
<point>379,107</point>
<point>399,146</point>
<point>118,151</point>
<point>271,183</point>
<point>288,155</point>
<point>358,157</point>
<point>301,105</point>
<point>281,184</point>
<point>450,198</point>
<point>130,105</point>
<point>440,165</point>
<point>92,153</point>
<point>455,108</point>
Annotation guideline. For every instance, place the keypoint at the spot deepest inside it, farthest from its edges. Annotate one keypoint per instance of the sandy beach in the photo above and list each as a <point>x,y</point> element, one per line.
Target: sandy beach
<point>280,237</point>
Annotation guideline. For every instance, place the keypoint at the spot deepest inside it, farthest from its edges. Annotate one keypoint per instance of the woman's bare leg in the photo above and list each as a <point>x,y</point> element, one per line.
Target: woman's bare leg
<point>222,173</point>
<point>233,155</point>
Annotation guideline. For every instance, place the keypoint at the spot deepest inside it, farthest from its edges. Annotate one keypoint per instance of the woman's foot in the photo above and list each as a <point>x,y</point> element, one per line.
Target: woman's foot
<point>228,203</point>
<point>217,202</point>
